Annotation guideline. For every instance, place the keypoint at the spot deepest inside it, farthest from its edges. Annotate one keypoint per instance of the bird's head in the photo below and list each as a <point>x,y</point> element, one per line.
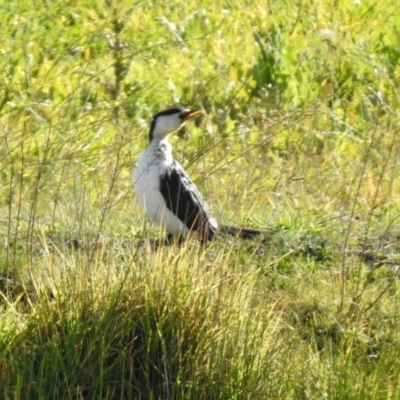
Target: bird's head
<point>169,121</point>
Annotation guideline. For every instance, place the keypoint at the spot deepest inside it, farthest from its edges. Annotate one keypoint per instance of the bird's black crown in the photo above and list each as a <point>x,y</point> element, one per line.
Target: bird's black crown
<point>170,111</point>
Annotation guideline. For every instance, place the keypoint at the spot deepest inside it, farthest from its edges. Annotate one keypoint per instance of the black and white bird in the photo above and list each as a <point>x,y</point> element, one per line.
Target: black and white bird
<point>165,191</point>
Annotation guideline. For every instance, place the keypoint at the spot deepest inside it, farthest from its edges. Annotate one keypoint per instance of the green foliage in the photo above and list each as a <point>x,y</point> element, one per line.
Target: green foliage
<point>300,139</point>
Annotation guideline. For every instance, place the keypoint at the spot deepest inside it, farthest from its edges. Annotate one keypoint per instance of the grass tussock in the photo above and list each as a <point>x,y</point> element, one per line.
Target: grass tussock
<point>300,139</point>
<point>178,323</point>
<point>168,330</point>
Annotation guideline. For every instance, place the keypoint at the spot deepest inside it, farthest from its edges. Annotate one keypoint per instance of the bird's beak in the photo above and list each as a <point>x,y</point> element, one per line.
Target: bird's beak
<point>188,114</point>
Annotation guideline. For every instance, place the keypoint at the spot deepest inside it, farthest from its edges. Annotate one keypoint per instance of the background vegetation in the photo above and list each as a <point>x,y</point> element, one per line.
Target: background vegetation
<point>301,139</point>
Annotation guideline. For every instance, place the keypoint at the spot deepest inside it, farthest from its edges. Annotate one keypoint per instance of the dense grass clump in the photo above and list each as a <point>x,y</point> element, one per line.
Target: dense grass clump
<point>300,140</point>
<point>167,331</point>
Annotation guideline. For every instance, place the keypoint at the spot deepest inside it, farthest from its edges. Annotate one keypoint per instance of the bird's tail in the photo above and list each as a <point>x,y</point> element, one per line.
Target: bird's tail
<point>245,233</point>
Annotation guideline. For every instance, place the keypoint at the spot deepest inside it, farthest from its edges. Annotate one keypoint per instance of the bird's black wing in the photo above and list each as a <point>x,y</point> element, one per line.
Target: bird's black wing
<point>186,202</point>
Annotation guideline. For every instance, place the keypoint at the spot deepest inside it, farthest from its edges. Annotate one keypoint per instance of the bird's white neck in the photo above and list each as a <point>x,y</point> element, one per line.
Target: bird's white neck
<point>160,146</point>
<point>159,142</point>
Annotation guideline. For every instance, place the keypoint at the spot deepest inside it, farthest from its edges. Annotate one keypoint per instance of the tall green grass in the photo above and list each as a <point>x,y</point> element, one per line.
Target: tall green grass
<point>300,140</point>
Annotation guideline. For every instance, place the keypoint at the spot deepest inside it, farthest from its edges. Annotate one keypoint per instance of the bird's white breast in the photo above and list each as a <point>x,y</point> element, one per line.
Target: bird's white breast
<point>151,166</point>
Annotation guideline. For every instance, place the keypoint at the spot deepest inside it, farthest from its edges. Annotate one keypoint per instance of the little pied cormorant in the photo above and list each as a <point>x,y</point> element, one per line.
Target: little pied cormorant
<point>165,190</point>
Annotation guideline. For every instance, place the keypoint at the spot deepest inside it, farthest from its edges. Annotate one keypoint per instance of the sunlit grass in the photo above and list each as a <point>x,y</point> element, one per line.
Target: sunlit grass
<point>300,139</point>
